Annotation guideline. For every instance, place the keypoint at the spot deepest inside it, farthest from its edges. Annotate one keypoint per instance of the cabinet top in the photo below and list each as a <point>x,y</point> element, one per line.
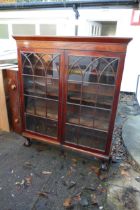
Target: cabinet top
<point>118,40</point>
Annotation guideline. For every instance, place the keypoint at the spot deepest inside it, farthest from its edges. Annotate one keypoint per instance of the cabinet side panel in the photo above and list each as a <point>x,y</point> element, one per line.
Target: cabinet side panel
<point>13,89</point>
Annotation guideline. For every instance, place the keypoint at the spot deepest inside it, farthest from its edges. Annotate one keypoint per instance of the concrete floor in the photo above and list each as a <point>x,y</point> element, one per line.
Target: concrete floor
<point>131,137</point>
<point>41,177</point>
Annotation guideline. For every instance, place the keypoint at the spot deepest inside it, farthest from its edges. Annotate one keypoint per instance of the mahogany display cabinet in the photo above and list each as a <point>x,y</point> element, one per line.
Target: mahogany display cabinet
<point>69,90</point>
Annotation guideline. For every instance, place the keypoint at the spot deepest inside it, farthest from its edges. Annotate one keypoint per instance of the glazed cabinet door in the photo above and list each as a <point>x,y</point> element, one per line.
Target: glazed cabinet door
<point>40,76</point>
<point>90,88</point>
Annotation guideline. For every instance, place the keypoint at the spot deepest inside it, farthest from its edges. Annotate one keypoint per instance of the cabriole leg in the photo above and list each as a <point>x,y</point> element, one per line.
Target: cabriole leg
<point>27,142</point>
<point>105,164</point>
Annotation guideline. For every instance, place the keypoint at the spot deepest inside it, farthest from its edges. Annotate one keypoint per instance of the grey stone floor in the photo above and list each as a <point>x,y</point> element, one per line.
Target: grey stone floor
<point>131,138</point>
<point>123,182</point>
<point>42,177</point>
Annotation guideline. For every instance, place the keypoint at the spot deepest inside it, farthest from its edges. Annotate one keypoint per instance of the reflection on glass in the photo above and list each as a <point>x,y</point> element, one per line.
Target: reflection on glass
<point>40,86</point>
<point>29,105</point>
<point>71,134</point>
<point>27,70</point>
<point>40,64</point>
<point>52,88</point>
<point>27,63</point>
<point>104,101</point>
<point>41,90</point>
<point>40,107</point>
<point>73,113</point>
<point>87,116</point>
<point>36,124</point>
<point>74,92</point>
<point>101,119</point>
<point>107,70</point>
<point>90,89</point>
<point>86,137</point>
<point>28,85</point>
<point>41,125</point>
<point>92,138</point>
<point>92,69</point>
<point>89,93</point>
<point>51,128</point>
<point>52,109</point>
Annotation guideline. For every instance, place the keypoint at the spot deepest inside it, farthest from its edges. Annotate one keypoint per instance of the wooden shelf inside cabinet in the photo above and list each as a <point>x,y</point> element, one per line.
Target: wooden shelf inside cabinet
<point>42,95</point>
<point>92,102</point>
<point>92,88</point>
<point>39,67</point>
<point>96,124</point>
<point>69,89</point>
<point>42,113</point>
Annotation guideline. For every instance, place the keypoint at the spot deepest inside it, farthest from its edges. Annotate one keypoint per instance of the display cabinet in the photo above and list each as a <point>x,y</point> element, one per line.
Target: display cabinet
<point>69,90</point>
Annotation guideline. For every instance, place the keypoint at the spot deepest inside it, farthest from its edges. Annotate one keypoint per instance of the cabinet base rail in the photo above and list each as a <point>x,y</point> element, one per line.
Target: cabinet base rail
<point>29,137</point>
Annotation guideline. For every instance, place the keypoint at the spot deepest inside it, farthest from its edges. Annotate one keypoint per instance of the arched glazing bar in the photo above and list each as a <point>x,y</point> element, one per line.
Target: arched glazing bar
<point>26,58</point>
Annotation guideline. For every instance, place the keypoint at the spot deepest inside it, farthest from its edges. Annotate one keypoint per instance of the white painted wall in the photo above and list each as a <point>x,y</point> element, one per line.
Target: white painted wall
<point>65,21</point>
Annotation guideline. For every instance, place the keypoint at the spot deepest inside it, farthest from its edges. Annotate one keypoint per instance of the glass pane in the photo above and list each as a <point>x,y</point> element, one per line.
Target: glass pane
<point>89,94</point>
<point>41,80</point>
<point>91,76</point>
<point>90,84</point>
<point>28,85</point>
<point>40,107</point>
<point>104,101</point>
<point>52,109</point>
<point>87,116</point>
<point>41,125</point>
<point>71,133</point>
<point>4,31</point>
<point>51,128</point>
<point>40,64</point>
<point>73,113</point>
<point>105,96</point>
<point>44,69</point>
<point>23,29</point>
<point>96,74</point>
<point>52,88</point>
<point>48,29</point>
<point>92,138</point>
<point>29,104</point>
<point>92,69</point>
<point>36,124</point>
<point>28,60</point>
<point>107,70</point>
<point>106,90</point>
<point>47,64</point>
<point>40,86</point>
<point>77,68</point>
<point>85,137</point>
<point>27,69</point>
<point>74,93</point>
<point>101,119</point>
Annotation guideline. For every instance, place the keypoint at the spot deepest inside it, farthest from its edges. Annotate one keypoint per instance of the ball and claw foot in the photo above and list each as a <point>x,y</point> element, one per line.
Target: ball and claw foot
<point>28,142</point>
<point>105,164</point>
